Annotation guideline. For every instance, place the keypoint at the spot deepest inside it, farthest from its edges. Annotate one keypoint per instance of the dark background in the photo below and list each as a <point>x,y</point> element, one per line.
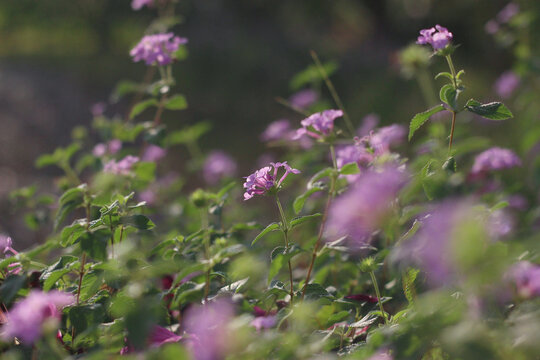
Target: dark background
<point>58,57</point>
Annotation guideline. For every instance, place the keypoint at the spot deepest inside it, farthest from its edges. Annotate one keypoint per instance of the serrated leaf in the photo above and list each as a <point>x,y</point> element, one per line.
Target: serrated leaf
<point>299,202</point>
<point>141,106</point>
<point>349,169</point>
<point>176,102</point>
<point>419,119</point>
<point>448,95</point>
<point>271,227</point>
<point>408,284</point>
<point>138,221</point>
<point>491,111</point>
<point>315,292</point>
<point>301,219</point>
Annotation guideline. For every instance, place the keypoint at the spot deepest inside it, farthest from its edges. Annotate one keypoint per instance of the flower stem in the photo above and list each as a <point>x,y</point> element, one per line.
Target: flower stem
<point>452,132</point>
<point>285,229</point>
<point>206,240</point>
<point>452,70</point>
<point>378,294</point>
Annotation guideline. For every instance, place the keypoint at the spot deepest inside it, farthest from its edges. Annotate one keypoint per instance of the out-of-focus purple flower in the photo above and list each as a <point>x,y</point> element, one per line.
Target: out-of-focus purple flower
<point>26,319</point>
<point>153,153</point>
<point>508,12</point>
<point>157,49</point>
<point>277,130</point>
<point>500,224</point>
<point>98,109</point>
<point>363,208</point>
<point>358,154</point>
<point>111,148</point>
<point>114,146</point>
<point>526,277</point>
<point>506,84</point>
<point>381,355</point>
<point>304,98</point>
<point>122,167</point>
<point>491,27</point>
<point>369,122</point>
<point>517,202</point>
<point>6,248</point>
<point>207,326</point>
<point>318,125</point>
<point>139,4</point>
<point>438,37</point>
<point>218,165</point>
<point>382,139</point>
<point>264,322</point>
<point>263,180</point>
<point>495,158</point>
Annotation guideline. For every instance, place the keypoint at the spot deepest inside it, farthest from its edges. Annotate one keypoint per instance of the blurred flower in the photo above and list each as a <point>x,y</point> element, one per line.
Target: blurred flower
<point>500,224</point>
<point>207,325</point>
<point>494,159</point>
<point>98,109</point>
<point>6,248</point>
<point>111,148</point>
<point>277,130</point>
<point>159,336</point>
<point>358,154</point>
<point>491,27</point>
<point>506,84</point>
<point>517,202</point>
<point>218,165</point>
<point>138,4</point>
<point>363,208</point>
<point>153,153</point>
<point>387,136</point>
<point>263,180</point>
<point>438,37</point>
<point>157,49</point>
<point>26,319</point>
<point>526,277</point>
<point>319,124</point>
<point>508,12</point>
<point>122,167</point>
<point>369,122</point>
<point>381,355</point>
<point>264,322</point>
<point>304,98</point>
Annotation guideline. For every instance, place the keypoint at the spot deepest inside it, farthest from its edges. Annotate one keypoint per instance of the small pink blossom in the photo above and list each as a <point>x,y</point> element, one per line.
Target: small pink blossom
<point>438,37</point>
<point>318,125</point>
<point>122,167</point>
<point>265,179</point>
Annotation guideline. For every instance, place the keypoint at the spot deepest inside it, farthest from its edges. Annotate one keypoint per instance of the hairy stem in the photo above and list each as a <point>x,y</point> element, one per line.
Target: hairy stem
<point>285,229</point>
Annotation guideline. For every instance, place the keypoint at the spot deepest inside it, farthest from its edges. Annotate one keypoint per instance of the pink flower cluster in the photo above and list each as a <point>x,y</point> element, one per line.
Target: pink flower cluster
<point>264,180</point>
<point>122,167</point>
<point>157,49</point>
<point>318,125</point>
<point>6,248</point>
<point>495,158</point>
<point>438,37</point>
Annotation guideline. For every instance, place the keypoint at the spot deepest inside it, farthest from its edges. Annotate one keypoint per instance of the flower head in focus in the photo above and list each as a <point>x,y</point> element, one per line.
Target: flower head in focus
<point>438,37</point>
<point>318,125</point>
<point>122,167</point>
<point>157,49</point>
<point>26,319</point>
<point>264,180</point>
<point>493,159</point>
<point>218,165</point>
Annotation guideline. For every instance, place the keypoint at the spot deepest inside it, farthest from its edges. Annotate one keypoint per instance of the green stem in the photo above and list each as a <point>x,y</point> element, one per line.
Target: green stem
<point>452,132</point>
<point>206,240</point>
<point>285,229</point>
<point>452,70</point>
<point>378,294</point>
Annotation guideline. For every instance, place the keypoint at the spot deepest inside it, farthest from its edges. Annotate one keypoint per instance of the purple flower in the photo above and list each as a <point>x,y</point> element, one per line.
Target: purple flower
<point>506,84</point>
<point>526,277</point>
<point>114,146</point>
<point>138,4</point>
<point>318,125</point>
<point>508,12</point>
<point>304,98</point>
<point>157,49</point>
<point>369,122</point>
<point>277,130</point>
<point>111,148</point>
<point>159,336</point>
<point>491,27</point>
<point>363,208</point>
<point>122,167</point>
<point>26,319</point>
<point>218,165</point>
<point>153,153</point>
<point>6,248</point>
<point>264,322</point>
<point>494,159</point>
<point>500,224</point>
<point>358,154</point>
<point>438,37</point>
<point>207,325</point>
<point>381,355</point>
<point>387,136</point>
<point>264,180</point>
<point>98,109</point>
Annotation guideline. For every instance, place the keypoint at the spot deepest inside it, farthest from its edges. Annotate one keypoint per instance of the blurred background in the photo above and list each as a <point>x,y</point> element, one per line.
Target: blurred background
<point>59,57</point>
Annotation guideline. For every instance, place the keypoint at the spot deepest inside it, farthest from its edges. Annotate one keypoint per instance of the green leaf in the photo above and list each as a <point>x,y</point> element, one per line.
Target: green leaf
<point>271,227</point>
<point>299,202</point>
<point>95,244</point>
<point>349,169</point>
<point>500,205</point>
<point>280,257</point>
<point>408,284</point>
<point>125,87</point>
<point>70,234</point>
<point>86,316</point>
<point>448,95</point>
<point>138,221</point>
<point>491,111</point>
<point>176,102</point>
<point>10,287</point>
<point>311,74</point>
<point>141,106</point>
<point>320,175</point>
<point>315,292</point>
<point>189,134</point>
<point>444,74</point>
<point>301,219</point>
<point>419,119</point>
<point>60,156</point>
<point>54,272</point>
<point>69,201</point>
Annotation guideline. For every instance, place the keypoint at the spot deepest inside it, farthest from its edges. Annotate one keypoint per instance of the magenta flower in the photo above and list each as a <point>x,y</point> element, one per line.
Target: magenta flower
<point>362,209</point>
<point>506,84</point>
<point>6,248</point>
<point>122,167</point>
<point>207,326</point>
<point>304,98</point>
<point>494,159</point>
<point>438,37</point>
<point>157,49</point>
<point>138,4</point>
<point>159,336</point>
<point>218,165</point>
<point>508,12</point>
<point>98,109</point>
<point>526,277</point>
<point>111,148</point>
<point>264,322</point>
<point>382,139</point>
<point>264,180</point>
<point>153,153</point>
<point>358,154</point>
<point>26,319</point>
<point>277,130</point>
<point>318,125</point>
